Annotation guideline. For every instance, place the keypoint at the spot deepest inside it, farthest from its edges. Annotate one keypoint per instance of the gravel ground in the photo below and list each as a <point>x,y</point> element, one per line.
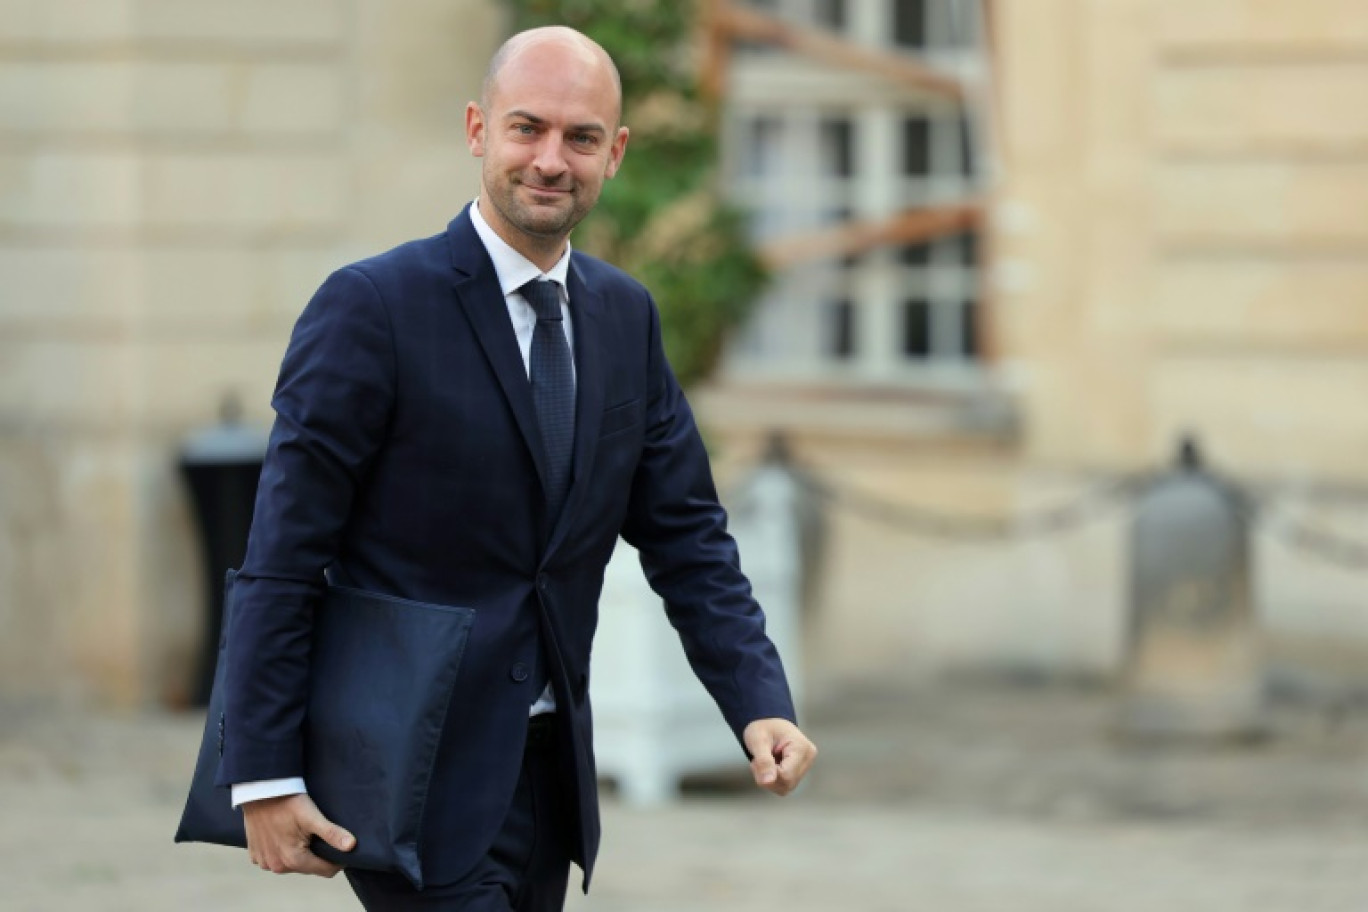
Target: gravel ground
<point>963,797</point>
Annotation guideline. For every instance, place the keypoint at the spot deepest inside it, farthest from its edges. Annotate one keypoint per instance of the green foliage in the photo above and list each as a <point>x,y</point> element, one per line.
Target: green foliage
<point>662,218</point>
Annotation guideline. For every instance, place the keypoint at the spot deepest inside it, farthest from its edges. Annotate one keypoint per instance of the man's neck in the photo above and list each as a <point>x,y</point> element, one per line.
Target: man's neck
<point>541,252</point>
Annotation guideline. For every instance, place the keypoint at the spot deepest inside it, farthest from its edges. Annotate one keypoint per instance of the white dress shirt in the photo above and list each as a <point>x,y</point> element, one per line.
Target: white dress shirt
<point>514,271</point>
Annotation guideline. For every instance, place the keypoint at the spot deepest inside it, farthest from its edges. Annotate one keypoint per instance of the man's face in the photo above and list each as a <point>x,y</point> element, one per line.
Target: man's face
<point>549,138</point>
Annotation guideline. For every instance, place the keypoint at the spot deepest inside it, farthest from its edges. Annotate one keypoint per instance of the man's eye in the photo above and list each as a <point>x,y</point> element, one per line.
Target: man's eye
<point>582,139</point>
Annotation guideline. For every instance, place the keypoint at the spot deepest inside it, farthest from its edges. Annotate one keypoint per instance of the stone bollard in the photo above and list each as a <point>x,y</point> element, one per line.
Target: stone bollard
<point>769,526</point>
<point>1192,665</point>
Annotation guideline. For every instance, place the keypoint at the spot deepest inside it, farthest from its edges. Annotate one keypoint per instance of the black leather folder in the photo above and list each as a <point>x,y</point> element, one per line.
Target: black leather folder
<point>382,672</point>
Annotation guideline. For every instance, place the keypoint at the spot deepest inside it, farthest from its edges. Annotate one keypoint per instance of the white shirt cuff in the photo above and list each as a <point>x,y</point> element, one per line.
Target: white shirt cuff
<point>244,792</point>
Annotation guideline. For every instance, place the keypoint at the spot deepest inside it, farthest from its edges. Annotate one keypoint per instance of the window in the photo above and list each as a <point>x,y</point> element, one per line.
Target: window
<point>838,214</point>
<point>841,330</point>
<point>916,333</point>
<point>810,153</point>
<point>916,155</point>
<point>831,14</point>
<point>837,138</point>
<point>966,252</point>
<point>966,147</point>
<point>762,146</point>
<point>909,24</point>
<point>969,347</point>
<point>959,24</point>
<point>922,25</point>
<point>939,317</point>
<point>936,157</point>
<point>915,255</point>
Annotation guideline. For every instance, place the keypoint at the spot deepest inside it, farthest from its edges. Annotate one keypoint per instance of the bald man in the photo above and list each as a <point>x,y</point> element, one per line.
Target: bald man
<point>473,419</point>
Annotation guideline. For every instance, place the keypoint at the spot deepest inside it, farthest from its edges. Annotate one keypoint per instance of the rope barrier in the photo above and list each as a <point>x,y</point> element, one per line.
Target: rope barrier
<point>1326,546</point>
<point>1052,520</point>
<point>1254,510</point>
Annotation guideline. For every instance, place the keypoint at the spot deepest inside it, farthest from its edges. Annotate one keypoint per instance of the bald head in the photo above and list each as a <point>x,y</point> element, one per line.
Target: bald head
<point>548,129</point>
<point>551,37</point>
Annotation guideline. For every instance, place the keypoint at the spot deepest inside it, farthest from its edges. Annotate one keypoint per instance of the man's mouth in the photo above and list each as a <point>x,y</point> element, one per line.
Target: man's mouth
<point>546,191</point>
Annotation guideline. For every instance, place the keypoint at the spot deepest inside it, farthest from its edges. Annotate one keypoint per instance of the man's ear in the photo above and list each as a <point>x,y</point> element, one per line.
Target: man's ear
<point>615,153</point>
<point>475,129</point>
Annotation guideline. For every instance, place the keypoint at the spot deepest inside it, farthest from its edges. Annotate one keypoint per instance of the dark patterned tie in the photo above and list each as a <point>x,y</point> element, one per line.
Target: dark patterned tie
<point>553,389</point>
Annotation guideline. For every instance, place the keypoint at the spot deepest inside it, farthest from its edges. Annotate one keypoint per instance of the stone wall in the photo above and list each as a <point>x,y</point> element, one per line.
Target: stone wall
<point>1179,245</point>
<point>1182,211</point>
<point>176,177</point>
<point>1184,196</point>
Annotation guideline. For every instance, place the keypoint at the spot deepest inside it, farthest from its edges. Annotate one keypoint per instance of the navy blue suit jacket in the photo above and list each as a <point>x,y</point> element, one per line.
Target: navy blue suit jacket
<point>405,459</point>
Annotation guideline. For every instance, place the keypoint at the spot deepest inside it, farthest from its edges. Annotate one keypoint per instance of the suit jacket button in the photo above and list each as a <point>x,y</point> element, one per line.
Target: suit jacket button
<point>541,581</point>
<point>519,672</point>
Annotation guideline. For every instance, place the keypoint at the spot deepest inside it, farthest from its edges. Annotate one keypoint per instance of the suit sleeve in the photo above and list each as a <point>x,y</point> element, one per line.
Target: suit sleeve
<point>333,402</point>
<point>675,521</point>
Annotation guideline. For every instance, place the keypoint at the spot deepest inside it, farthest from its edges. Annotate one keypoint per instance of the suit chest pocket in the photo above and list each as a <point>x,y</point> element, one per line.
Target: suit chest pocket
<point>620,418</point>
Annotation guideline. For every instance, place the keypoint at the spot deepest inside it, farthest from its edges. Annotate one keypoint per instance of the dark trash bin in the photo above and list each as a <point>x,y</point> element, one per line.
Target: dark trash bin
<point>221,465</point>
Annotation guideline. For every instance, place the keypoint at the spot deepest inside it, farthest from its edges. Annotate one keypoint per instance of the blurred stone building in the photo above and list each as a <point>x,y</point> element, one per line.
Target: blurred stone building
<point>1175,243</point>
<point>1172,240</point>
<point>176,178</point>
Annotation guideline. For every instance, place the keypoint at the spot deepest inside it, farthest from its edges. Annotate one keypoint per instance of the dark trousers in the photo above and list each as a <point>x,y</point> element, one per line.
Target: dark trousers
<point>525,870</point>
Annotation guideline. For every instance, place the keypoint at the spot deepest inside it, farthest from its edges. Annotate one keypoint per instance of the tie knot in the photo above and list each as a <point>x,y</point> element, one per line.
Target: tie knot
<point>544,296</point>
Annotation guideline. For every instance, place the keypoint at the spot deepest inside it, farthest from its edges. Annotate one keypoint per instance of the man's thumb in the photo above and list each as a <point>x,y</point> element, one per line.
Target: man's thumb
<point>762,761</point>
<point>333,834</point>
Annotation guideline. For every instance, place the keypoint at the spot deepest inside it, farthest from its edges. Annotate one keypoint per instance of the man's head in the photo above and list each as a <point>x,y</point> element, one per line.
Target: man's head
<point>547,126</point>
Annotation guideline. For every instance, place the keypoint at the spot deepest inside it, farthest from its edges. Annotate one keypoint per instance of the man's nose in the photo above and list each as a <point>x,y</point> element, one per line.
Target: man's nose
<point>550,158</point>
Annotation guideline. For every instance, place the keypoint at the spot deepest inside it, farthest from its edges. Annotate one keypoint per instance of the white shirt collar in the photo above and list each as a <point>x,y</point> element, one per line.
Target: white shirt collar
<point>513,269</point>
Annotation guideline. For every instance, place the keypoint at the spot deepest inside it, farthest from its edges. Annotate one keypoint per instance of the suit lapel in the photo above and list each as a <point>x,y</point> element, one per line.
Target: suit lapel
<point>586,306</point>
<point>477,288</point>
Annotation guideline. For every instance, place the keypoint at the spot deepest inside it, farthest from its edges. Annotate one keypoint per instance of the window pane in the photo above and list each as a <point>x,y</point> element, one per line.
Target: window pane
<point>967,163</point>
<point>915,255</point>
<point>762,146</point>
<point>841,330</point>
<point>909,23</point>
<point>969,345</point>
<point>916,147</point>
<point>966,248</point>
<point>958,28</point>
<point>916,328</point>
<point>831,14</point>
<point>838,147</point>
<point>837,215</point>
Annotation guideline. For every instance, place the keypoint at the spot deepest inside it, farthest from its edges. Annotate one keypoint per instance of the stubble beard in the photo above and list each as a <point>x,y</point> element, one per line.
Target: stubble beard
<point>544,225</point>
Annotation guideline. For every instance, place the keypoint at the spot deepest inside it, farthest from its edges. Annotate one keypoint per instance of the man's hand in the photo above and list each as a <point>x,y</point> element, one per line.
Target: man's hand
<point>278,832</point>
<point>780,754</point>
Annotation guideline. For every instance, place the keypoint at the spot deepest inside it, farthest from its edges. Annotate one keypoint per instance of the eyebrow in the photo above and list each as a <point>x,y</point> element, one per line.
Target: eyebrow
<point>539,121</point>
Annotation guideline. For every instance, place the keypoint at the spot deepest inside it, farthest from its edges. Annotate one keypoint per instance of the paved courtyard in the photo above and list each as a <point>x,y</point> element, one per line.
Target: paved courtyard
<point>969,797</point>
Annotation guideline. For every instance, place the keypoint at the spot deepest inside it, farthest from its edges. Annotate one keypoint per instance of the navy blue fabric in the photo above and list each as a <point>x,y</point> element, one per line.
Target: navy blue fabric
<point>370,739</point>
<point>526,869</point>
<point>406,459</point>
<point>553,389</point>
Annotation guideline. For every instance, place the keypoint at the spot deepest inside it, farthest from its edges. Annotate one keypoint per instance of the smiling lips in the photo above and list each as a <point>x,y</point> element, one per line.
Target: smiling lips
<point>547,191</point>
